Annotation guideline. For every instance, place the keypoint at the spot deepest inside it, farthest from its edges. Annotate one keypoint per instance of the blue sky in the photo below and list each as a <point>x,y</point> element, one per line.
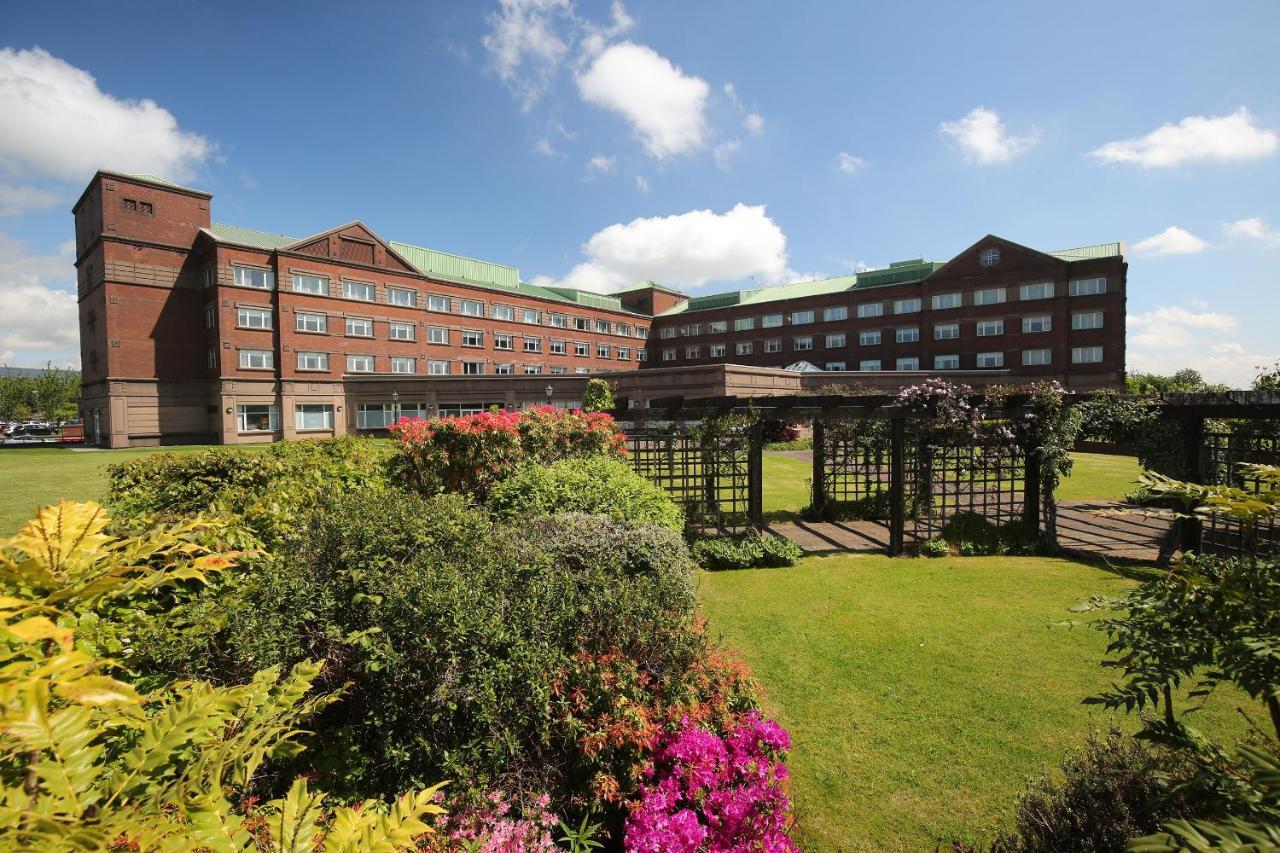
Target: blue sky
<point>709,145</point>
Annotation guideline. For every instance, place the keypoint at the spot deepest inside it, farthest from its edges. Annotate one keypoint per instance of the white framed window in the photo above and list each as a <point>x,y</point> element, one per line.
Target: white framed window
<point>623,329</point>
<point>210,357</point>
<point>946,362</point>
<point>402,296</point>
<point>989,296</point>
<point>641,355</point>
<point>989,328</point>
<point>398,331</point>
<point>1086,355</point>
<point>906,306</point>
<point>642,332</point>
<point>403,364</point>
<point>253,277</point>
<point>834,365</point>
<point>362,290</point>
<point>313,416</point>
<point>943,301</point>
<point>1087,286</point>
<point>502,341</point>
<point>869,364</point>
<point>990,359</point>
<point>504,369</point>
<point>559,371</point>
<point>533,344</point>
<point>906,335</point>
<point>946,331</point>
<point>771,321</point>
<point>504,312</point>
<point>602,351</point>
<point>801,318</point>
<point>437,335</point>
<point>803,343</point>
<point>691,352</point>
<point>437,368</point>
<point>316,285</point>
<point>257,359</point>
<point>744,348</point>
<point>472,338</point>
<point>668,355</point>
<point>989,257</point>
<point>584,370</point>
<point>253,417</point>
<point>834,341</point>
<point>834,315</point>
<point>532,369</point>
<point>688,331</point>
<point>623,353</point>
<point>313,361</point>
<point>667,333</point>
<point>1039,290</point>
<point>359,327</point>
<point>473,368</point>
<point>869,338</point>
<point>318,323</point>
<point>438,303</point>
<point>744,324</point>
<point>1039,323</point>
<point>360,364</point>
<point>717,351</point>
<point>254,318</point>
<point>908,363</point>
<point>716,327</point>
<point>210,317</point>
<point>871,309</point>
<point>582,348</point>
<point>602,326</point>
<point>773,345</point>
<point>1086,320</point>
<point>471,308</point>
<point>581,324</point>
<point>559,347</point>
<point>1035,357</point>
<point>531,315</point>
<point>374,415</point>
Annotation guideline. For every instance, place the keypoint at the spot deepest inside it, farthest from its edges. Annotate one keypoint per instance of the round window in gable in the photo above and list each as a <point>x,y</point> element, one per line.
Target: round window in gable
<point>989,256</point>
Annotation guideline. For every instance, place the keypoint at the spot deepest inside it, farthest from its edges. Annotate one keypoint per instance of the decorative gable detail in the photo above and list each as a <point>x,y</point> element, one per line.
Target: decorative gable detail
<point>355,244</point>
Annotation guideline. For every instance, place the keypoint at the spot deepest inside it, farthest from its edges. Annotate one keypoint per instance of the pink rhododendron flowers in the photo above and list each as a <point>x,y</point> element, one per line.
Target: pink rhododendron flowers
<point>715,794</point>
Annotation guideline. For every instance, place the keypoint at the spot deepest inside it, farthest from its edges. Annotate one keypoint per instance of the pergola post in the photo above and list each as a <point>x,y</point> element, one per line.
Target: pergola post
<point>818,502</point>
<point>1192,451</point>
<point>897,488</point>
<point>755,475</point>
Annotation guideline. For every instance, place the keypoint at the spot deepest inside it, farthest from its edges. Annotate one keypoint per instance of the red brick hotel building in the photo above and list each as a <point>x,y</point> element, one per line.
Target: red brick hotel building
<point>193,331</point>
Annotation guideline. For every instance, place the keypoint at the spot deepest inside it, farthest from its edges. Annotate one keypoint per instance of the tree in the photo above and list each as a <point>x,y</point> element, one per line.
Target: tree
<point>598,396</point>
<point>1268,378</point>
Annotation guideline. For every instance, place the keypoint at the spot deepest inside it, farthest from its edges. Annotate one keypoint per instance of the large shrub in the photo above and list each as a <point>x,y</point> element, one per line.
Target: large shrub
<point>598,485</point>
<point>469,454</point>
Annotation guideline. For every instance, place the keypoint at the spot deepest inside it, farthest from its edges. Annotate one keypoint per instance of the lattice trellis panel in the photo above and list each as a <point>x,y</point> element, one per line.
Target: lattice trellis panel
<point>985,477</point>
<point>708,475</point>
<point>856,465</point>
<point>1223,454</point>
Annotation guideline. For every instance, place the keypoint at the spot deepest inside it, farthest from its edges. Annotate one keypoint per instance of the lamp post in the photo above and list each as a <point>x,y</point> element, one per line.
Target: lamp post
<point>550,392</point>
<point>395,405</point>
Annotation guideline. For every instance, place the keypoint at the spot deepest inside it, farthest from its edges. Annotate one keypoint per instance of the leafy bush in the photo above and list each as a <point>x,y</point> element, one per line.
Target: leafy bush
<point>88,763</point>
<point>873,507</point>
<point>973,535</point>
<point>1112,419</point>
<point>469,454</point>
<point>795,444</point>
<point>746,551</point>
<point>598,397</point>
<point>450,631</point>
<point>934,547</point>
<point>778,431</point>
<point>599,486</point>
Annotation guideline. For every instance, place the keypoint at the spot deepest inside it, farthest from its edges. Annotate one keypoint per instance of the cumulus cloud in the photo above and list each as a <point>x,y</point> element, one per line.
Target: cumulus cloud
<point>1214,138</point>
<point>665,107</point>
<point>601,165</point>
<point>724,151</point>
<point>38,316</point>
<point>985,139</point>
<point>848,163</point>
<point>683,250</point>
<point>18,199</point>
<point>525,46</point>
<point>1169,337</point>
<point>1171,241</point>
<point>1253,229</point>
<point>59,124</point>
<point>754,123</point>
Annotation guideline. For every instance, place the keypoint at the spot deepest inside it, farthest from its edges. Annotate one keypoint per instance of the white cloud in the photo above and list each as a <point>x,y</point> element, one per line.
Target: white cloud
<point>1170,337</point>
<point>642,184</point>
<point>1171,241</point>
<point>665,107</point>
<point>39,322</point>
<point>601,165</point>
<point>525,46</point>
<point>724,151</point>
<point>18,199</point>
<point>684,250</point>
<point>544,147</point>
<point>58,123</point>
<point>848,163</point>
<point>1217,138</point>
<point>1254,228</point>
<point>754,123</point>
<point>985,139</point>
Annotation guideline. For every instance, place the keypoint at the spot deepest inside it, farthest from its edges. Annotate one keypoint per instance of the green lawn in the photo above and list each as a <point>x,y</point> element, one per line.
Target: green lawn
<point>921,694</point>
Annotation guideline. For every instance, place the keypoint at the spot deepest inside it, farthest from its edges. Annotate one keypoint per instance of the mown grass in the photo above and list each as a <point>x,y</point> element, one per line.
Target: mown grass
<point>921,695</point>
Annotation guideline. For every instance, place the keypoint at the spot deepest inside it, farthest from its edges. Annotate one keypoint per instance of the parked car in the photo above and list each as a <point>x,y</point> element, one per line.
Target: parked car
<point>33,435</point>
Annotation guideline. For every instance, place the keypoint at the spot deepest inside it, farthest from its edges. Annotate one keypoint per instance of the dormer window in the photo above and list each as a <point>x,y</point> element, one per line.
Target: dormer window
<point>989,257</point>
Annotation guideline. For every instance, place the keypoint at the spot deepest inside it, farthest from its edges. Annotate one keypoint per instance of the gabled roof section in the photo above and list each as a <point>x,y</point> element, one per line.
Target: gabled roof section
<point>248,237</point>
<point>355,242</point>
<point>649,284</point>
<point>966,262</point>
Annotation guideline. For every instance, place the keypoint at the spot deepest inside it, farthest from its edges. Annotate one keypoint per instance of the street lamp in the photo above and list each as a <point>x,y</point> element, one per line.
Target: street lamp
<point>395,406</point>
<point>550,392</point>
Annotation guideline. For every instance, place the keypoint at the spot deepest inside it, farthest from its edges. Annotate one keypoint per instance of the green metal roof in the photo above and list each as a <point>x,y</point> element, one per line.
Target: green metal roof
<point>458,268</point>
<point>1088,253</point>
<point>649,283</point>
<point>586,297</point>
<point>248,237</point>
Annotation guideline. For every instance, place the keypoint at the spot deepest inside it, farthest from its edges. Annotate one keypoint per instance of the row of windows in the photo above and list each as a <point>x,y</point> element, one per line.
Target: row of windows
<point>1034,357</point>
<point>364,291</point>
<point>265,417</point>
<point>319,361</point>
<point>911,305</point>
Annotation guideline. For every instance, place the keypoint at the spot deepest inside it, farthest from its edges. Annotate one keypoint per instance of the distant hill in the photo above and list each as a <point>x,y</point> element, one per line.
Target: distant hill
<point>24,371</point>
